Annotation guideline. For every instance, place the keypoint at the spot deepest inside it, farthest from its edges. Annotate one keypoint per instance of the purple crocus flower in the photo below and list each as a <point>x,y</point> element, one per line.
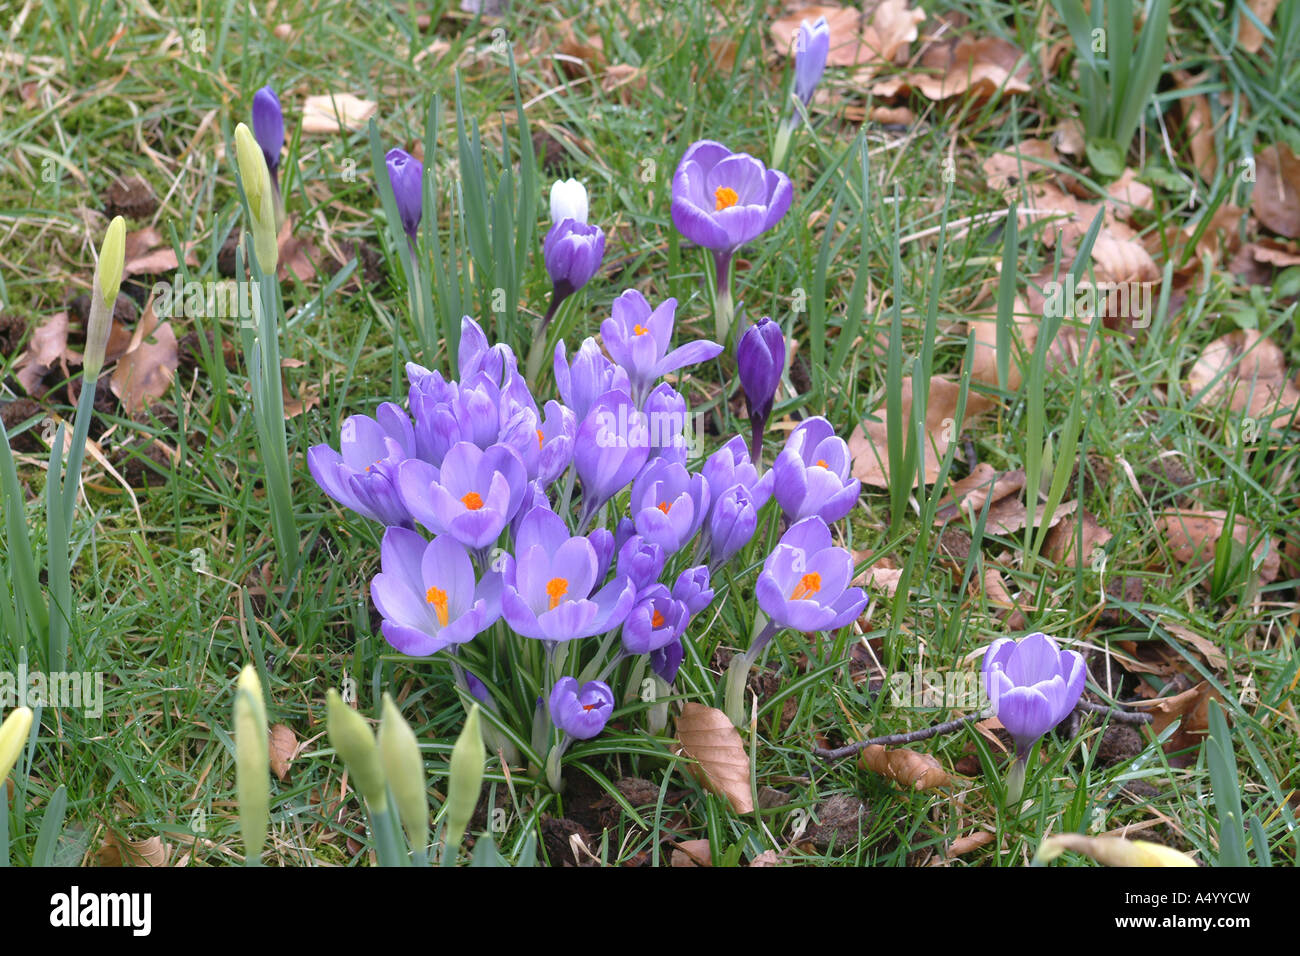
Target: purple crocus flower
<point>406,173</point>
<point>1033,684</point>
<point>590,376</point>
<point>427,594</point>
<point>732,522</point>
<point>692,589</point>
<point>722,200</point>
<point>731,465</point>
<point>611,448</point>
<point>761,359</point>
<point>655,621</point>
<point>581,712</point>
<point>544,444</point>
<point>666,660</point>
<point>474,495</point>
<point>641,561</point>
<point>665,412</point>
<point>548,591</point>
<point>804,584</point>
<point>363,477</point>
<point>478,690</point>
<point>812,47</point>
<point>669,504</point>
<point>638,337</point>
<point>268,129</point>
<point>811,476</point>
<point>573,252</point>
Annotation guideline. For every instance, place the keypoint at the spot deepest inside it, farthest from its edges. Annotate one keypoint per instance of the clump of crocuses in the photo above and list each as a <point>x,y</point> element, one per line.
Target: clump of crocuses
<point>558,554</point>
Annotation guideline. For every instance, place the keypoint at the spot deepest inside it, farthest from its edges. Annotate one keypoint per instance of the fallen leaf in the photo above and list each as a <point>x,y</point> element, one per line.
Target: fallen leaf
<point>335,112</point>
<point>283,748</point>
<point>708,736</point>
<point>119,851</point>
<point>1248,371</point>
<point>971,841</point>
<point>48,342</point>
<point>976,66</point>
<point>1198,124</point>
<point>1206,647</point>
<point>1024,334</point>
<point>1061,545</point>
<point>1249,37</point>
<point>145,372</point>
<point>970,493</point>
<point>692,853</point>
<point>869,442</point>
<point>907,767</point>
<point>1276,199</point>
<point>856,40</point>
<point>1192,707</point>
<point>1194,535</point>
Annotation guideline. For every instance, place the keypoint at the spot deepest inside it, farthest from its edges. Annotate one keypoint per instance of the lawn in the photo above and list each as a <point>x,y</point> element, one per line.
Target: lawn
<point>1033,268</point>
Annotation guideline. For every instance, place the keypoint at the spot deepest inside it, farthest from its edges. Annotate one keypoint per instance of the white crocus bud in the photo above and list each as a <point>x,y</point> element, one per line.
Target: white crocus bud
<point>568,201</point>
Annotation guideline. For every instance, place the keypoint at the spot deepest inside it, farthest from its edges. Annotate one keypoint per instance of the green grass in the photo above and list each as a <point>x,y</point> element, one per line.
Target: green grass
<point>171,603</point>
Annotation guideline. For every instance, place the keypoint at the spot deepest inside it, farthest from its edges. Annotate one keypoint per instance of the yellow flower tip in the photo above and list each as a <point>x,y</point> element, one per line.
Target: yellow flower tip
<point>112,260</point>
<point>399,752</point>
<point>1111,851</point>
<point>13,737</point>
<point>252,761</point>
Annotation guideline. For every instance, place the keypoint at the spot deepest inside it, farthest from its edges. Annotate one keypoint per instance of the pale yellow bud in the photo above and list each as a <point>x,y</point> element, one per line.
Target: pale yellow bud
<point>261,198</point>
<point>252,762</point>
<point>108,280</point>
<point>13,737</point>
<point>355,743</point>
<point>399,752</point>
<point>1112,851</point>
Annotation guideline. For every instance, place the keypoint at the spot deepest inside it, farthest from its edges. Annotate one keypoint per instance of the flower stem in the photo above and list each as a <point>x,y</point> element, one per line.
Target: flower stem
<point>553,775</point>
<point>724,309</point>
<point>783,137</point>
<point>1016,781</point>
<point>738,674</point>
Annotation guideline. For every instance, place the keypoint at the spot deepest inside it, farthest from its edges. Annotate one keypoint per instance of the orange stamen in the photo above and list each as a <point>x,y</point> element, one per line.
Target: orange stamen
<point>555,589</point>
<point>472,501</point>
<point>822,463</point>
<point>438,598</point>
<point>590,706</point>
<point>639,329</point>
<point>539,438</point>
<point>810,583</point>
<point>665,506</point>
<point>657,620</point>
<point>725,197</point>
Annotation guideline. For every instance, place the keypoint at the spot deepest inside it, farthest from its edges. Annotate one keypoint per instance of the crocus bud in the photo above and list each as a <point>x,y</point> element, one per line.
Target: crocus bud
<point>761,358</point>
<point>573,251</point>
<point>568,201</point>
<point>252,762</point>
<point>399,752</point>
<point>581,712</point>
<point>1111,851</point>
<point>108,279</point>
<point>811,49</point>
<point>352,738</point>
<point>13,737</point>
<point>256,178</point>
<point>406,173</point>
<point>268,127</point>
<point>465,778</point>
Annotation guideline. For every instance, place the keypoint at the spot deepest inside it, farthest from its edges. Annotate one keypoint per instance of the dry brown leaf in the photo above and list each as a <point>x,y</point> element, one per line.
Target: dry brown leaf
<point>283,748</point>
<point>1198,124</point>
<point>149,253</point>
<point>766,858</point>
<point>1024,334</point>
<point>47,344</point>
<point>1205,647</point>
<point>880,579</point>
<point>1194,535</point>
<point>869,442</point>
<point>1060,545</point>
<point>708,736</point>
<point>1192,706</point>
<point>1276,199</point>
<point>145,372</point>
<point>971,841</point>
<point>335,112</point>
<point>970,493</point>
<point>975,66</point>
<point>1007,169</point>
<point>692,853</point>
<point>1253,378</point>
<point>916,770</point>
<point>119,851</point>
<point>997,595</point>
<point>1249,38</point>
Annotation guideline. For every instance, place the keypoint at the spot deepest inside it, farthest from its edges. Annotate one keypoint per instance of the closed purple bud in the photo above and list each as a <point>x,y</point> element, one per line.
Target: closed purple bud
<point>581,712</point>
<point>573,252</point>
<point>588,377</point>
<point>731,524</point>
<point>268,127</point>
<point>665,411</point>
<point>406,173</point>
<point>692,589</point>
<point>731,465</point>
<point>812,47</point>
<point>611,448</point>
<point>641,561</point>
<point>1033,685</point>
<point>761,359</point>
<point>666,660</point>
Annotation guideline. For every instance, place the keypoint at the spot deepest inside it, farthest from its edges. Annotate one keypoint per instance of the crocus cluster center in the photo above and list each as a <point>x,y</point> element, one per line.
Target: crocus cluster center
<point>726,197</point>
<point>472,500</point>
<point>556,589</point>
<point>810,583</point>
<point>438,598</point>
